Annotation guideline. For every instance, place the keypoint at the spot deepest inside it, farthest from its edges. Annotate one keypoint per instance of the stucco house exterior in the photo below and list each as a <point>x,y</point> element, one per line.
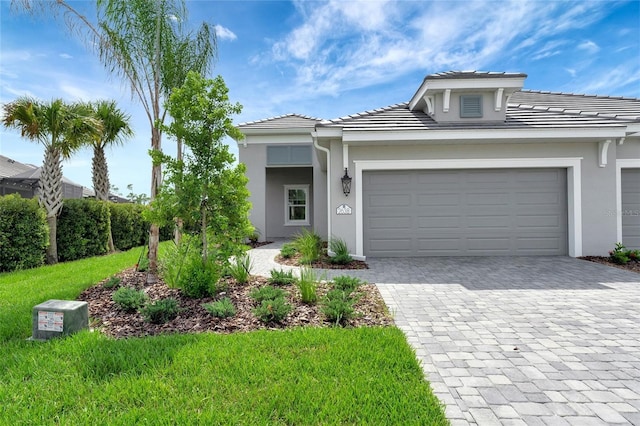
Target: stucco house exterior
<point>471,165</point>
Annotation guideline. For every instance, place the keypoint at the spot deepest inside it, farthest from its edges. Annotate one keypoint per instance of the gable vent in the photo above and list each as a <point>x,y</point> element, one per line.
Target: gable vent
<point>471,106</point>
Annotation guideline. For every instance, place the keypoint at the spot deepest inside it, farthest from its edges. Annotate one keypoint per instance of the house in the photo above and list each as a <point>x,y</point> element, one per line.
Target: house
<point>24,179</point>
<point>471,165</point>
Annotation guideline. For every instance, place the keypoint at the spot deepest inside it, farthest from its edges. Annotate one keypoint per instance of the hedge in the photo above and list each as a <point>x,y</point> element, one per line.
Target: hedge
<point>83,229</point>
<point>23,233</point>
<point>130,229</point>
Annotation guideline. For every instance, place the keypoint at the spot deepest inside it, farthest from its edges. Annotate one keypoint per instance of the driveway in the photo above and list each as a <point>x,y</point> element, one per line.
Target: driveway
<point>518,340</point>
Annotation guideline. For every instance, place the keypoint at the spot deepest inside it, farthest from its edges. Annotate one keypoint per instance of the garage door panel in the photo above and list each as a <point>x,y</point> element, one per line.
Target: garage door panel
<point>488,199</point>
<point>539,222</point>
<point>542,175</point>
<point>430,180</point>
<point>630,186</point>
<point>391,200</point>
<point>438,223</point>
<point>397,222</point>
<point>437,199</point>
<point>490,222</point>
<point>539,243</point>
<point>466,212</point>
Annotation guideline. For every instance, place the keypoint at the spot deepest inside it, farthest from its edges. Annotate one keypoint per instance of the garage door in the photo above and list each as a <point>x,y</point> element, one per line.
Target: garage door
<point>630,186</point>
<point>465,212</point>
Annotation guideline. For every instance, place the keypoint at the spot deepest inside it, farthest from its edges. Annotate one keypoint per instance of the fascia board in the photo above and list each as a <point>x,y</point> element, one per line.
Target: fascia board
<point>483,134</point>
<point>271,131</point>
<point>329,132</point>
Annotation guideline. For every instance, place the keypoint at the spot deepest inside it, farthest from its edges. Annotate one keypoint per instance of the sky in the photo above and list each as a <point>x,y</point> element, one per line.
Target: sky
<point>328,59</point>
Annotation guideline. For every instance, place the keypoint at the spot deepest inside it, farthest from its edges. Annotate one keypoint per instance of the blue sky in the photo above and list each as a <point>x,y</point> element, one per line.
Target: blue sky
<point>328,59</point>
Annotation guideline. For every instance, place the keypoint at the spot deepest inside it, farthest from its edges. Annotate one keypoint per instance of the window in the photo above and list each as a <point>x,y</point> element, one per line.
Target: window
<point>296,204</point>
<point>288,155</point>
<point>471,106</point>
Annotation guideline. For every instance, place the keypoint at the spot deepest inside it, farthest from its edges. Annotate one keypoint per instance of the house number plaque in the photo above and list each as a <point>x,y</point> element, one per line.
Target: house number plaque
<point>343,209</point>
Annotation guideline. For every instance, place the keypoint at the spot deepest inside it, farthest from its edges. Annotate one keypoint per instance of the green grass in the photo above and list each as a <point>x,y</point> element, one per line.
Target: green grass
<point>300,376</point>
<point>20,291</point>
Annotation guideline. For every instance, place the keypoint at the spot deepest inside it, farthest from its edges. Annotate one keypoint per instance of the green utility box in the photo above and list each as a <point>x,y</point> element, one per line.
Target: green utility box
<point>55,318</point>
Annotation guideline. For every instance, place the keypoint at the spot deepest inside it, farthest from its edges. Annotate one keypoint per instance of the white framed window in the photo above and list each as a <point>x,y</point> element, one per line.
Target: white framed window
<point>296,205</point>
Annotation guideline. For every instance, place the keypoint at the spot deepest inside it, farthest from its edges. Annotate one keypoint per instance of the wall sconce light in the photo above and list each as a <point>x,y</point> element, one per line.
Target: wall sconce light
<point>346,182</point>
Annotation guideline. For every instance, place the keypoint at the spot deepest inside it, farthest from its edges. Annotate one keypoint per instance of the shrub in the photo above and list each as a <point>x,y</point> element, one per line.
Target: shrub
<point>346,283</point>
<point>288,250</point>
<point>129,299</point>
<point>619,254</point>
<point>160,311</point>
<point>341,251</point>
<point>199,279</point>
<point>309,244</point>
<point>240,269</point>
<point>337,306</point>
<point>24,233</point>
<point>254,236</point>
<point>267,293</point>
<point>83,229</point>
<point>223,308</point>
<point>274,310</point>
<point>129,227</point>
<point>112,282</point>
<point>282,277</point>
<point>308,284</point>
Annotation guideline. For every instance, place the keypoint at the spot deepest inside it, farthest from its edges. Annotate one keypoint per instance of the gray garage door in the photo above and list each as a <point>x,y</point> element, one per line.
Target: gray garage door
<point>631,208</point>
<point>465,212</point>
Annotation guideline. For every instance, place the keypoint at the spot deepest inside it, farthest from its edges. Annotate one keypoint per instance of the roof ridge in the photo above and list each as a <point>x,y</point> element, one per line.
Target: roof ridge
<point>277,117</point>
<point>365,113</point>
<point>583,95</point>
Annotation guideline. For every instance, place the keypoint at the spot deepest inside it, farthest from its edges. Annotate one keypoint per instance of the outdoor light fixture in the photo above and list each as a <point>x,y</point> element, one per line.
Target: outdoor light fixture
<point>346,182</point>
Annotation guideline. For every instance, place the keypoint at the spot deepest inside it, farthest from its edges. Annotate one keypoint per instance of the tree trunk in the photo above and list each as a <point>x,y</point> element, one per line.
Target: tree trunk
<point>50,197</point>
<point>177,232</point>
<point>101,185</point>
<point>154,231</point>
<point>52,248</point>
<point>203,231</point>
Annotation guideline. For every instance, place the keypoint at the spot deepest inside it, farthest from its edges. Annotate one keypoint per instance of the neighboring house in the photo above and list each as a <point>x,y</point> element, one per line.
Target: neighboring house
<point>23,179</point>
<point>471,165</point>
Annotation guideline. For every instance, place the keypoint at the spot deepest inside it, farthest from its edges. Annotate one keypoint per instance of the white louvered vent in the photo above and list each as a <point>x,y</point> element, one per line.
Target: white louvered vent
<point>471,106</point>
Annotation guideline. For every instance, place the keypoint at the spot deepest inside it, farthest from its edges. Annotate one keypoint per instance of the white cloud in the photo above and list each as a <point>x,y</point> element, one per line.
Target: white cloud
<point>571,71</point>
<point>225,33</point>
<point>589,46</point>
<point>65,56</point>
<point>612,81</point>
<point>341,45</point>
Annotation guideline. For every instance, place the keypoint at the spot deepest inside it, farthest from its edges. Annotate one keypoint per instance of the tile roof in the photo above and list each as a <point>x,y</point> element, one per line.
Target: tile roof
<point>282,122</point>
<point>9,167</point>
<point>589,105</point>
<point>472,74</point>
<point>399,117</point>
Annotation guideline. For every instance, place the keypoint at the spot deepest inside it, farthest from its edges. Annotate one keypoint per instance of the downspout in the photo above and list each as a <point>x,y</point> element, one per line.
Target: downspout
<point>314,136</point>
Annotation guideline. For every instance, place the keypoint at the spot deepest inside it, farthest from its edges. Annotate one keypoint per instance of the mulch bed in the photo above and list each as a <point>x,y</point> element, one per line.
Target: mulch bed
<point>256,244</point>
<point>193,318</point>
<point>633,266</point>
<point>322,263</point>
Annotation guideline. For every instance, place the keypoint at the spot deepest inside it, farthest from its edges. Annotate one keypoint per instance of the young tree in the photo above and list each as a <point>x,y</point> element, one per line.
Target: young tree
<point>141,41</point>
<point>61,129</point>
<point>205,189</point>
<point>115,129</point>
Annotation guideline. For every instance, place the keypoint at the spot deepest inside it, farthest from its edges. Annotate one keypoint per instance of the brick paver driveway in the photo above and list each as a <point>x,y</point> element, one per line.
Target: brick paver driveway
<point>521,341</point>
<point>516,340</point>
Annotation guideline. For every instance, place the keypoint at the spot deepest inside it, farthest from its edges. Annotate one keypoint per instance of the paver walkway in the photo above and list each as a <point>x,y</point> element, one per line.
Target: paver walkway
<point>516,340</point>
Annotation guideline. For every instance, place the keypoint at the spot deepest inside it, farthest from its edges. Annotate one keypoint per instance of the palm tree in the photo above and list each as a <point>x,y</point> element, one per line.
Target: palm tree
<point>115,129</point>
<point>140,41</point>
<point>61,129</point>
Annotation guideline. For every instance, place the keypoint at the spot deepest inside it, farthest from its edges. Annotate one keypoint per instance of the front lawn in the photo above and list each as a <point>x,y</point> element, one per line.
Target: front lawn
<point>299,376</point>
